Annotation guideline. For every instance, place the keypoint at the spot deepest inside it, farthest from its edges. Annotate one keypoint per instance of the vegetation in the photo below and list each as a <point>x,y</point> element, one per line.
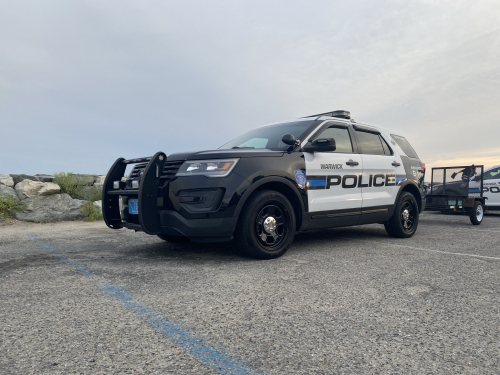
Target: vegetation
<point>9,205</point>
<point>90,212</point>
<point>74,186</point>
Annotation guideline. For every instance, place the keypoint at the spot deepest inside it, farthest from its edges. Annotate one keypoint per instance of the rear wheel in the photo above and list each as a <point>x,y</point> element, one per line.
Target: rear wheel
<point>266,227</point>
<point>476,214</point>
<point>173,239</point>
<point>404,220</point>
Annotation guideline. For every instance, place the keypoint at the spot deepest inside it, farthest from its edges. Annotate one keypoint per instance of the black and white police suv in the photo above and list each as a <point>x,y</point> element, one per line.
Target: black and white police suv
<point>262,187</point>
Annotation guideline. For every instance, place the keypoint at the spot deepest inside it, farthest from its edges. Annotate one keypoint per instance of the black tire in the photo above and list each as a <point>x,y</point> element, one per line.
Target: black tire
<point>476,214</point>
<point>266,226</point>
<point>173,239</point>
<point>404,220</point>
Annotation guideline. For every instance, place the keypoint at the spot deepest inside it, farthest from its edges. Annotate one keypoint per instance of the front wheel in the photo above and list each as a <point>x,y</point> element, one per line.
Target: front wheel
<point>477,213</point>
<point>404,220</point>
<point>266,227</point>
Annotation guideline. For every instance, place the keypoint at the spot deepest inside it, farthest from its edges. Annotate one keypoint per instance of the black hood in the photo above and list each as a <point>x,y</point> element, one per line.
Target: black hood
<point>223,154</point>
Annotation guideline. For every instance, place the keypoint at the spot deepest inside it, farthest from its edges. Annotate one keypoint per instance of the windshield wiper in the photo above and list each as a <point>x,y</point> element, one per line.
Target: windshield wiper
<point>241,147</point>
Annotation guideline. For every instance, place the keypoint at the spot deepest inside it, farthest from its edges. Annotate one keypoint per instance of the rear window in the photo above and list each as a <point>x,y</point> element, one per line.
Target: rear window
<point>405,146</point>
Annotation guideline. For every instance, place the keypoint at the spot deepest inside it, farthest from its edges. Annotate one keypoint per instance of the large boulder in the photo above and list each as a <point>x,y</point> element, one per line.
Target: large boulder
<point>58,207</point>
<point>28,188</point>
<point>7,180</point>
<point>98,205</point>
<point>45,177</point>
<point>49,188</point>
<point>8,191</point>
<point>20,177</point>
<point>99,182</point>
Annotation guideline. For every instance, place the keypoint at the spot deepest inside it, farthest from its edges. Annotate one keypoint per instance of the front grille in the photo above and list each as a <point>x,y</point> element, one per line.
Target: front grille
<point>169,171</point>
<point>137,171</point>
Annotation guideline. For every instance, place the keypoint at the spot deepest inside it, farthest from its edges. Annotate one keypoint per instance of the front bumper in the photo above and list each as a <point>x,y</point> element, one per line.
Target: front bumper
<point>198,230</point>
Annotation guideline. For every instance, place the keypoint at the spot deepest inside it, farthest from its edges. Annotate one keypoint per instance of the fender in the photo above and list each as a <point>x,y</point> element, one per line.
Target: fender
<point>405,184</point>
<point>261,182</point>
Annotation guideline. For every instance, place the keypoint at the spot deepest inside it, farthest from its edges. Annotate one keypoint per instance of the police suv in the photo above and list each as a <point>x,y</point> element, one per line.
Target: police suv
<point>321,171</point>
<point>491,187</point>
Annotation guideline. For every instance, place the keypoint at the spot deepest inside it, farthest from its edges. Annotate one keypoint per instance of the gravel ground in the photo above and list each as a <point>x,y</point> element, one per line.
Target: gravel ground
<point>81,298</point>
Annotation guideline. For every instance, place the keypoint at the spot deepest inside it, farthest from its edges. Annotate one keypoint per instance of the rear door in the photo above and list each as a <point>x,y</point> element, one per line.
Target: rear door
<point>491,187</point>
<point>332,177</point>
<point>381,166</point>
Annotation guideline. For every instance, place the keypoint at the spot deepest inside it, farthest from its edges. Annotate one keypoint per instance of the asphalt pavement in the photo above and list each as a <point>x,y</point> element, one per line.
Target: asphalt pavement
<point>81,298</point>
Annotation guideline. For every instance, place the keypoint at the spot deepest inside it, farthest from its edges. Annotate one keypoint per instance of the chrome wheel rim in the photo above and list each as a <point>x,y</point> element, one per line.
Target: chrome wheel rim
<point>271,225</point>
<point>479,213</point>
<point>408,216</point>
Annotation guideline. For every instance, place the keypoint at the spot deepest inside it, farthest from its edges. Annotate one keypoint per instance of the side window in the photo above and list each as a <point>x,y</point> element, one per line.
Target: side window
<point>342,139</point>
<point>494,174</point>
<point>405,146</point>
<point>372,144</point>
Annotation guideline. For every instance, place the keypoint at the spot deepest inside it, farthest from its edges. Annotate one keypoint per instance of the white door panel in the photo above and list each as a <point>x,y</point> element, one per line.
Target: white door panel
<point>379,184</point>
<point>331,183</point>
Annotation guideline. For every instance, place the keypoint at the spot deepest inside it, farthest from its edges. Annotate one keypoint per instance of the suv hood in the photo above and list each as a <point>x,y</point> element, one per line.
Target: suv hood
<point>223,154</point>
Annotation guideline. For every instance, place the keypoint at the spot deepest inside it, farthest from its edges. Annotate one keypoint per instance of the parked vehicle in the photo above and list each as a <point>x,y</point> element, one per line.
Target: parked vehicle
<point>320,171</point>
<point>491,187</point>
<point>457,189</point>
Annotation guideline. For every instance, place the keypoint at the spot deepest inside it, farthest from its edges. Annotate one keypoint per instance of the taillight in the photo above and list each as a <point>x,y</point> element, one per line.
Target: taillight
<point>423,166</point>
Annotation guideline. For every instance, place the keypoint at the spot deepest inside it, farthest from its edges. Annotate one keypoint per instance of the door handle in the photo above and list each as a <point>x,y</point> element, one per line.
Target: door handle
<point>352,163</point>
<point>395,164</point>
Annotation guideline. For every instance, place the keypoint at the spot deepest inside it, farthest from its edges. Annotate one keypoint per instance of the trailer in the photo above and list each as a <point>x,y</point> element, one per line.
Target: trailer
<point>450,191</point>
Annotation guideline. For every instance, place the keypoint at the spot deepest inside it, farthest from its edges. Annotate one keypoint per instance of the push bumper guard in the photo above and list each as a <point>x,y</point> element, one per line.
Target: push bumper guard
<point>149,218</point>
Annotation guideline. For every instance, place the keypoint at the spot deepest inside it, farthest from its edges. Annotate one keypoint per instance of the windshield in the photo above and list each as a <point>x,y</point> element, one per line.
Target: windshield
<point>269,136</point>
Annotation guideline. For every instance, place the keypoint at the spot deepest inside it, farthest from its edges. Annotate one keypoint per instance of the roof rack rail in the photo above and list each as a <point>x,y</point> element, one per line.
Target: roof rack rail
<point>338,114</point>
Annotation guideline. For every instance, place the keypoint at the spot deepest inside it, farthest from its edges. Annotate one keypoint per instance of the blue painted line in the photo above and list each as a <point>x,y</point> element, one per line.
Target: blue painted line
<point>317,182</point>
<point>220,360</point>
<point>80,267</point>
<point>217,358</point>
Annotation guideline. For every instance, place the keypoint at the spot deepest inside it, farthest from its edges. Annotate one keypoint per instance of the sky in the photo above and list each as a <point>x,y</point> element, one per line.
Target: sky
<point>85,82</point>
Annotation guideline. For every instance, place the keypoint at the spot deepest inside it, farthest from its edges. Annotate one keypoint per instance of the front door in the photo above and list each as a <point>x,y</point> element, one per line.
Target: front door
<point>332,180</point>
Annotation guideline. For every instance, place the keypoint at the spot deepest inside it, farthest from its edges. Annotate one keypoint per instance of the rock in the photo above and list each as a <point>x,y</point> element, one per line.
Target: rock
<point>99,182</point>
<point>20,177</point>
<point>98,205</point>
<point>45,177</point>
<point>5,190</point>
<point>51,208</point>
<point>6,180</point>
<point>28,188</point>
<point>49,188</point>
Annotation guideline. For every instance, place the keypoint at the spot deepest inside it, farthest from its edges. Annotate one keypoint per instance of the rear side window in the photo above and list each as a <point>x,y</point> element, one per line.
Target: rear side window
<point>372,144</point>
<point>492,175</point>
<point>342,139</point>
<point>405,146</point>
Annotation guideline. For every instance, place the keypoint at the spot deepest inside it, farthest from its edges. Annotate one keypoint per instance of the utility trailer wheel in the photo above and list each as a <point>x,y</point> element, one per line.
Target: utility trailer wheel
<point>266,227</point>
<point>404,220</point>
<point>173,239</point>
<point>476,214</point>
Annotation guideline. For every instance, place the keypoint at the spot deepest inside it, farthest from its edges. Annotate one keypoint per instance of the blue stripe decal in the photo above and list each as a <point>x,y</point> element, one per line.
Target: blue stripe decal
<point>474,190</point>
<point>217,358</point>
<point>399,179</point>
<point>316,182</point>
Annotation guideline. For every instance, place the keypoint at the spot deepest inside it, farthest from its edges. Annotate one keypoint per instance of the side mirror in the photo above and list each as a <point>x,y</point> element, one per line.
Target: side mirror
<point>321,145</point>
<point>288,139</point>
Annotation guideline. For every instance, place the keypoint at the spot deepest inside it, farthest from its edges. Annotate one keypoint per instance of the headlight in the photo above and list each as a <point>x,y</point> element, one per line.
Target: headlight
<point>209,168</point>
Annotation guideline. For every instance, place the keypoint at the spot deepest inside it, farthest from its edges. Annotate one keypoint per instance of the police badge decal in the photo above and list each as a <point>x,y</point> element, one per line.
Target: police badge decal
<point>300,177</point>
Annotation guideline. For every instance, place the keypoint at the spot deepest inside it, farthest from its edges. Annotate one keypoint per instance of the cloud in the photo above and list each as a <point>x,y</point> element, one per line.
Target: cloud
<point>82,83</point>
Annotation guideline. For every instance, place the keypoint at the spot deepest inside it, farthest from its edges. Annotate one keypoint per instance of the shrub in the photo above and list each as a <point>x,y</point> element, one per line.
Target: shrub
<point>9,205</point>
<point>90,212</point>
<point>68,183</point>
